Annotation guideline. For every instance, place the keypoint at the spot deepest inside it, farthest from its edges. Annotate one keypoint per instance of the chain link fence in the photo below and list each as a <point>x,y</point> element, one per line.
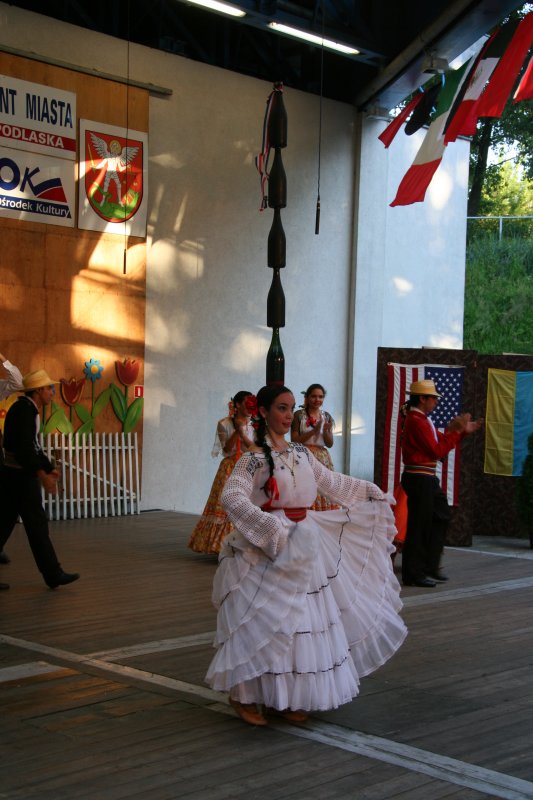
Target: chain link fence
<point>500,228</point>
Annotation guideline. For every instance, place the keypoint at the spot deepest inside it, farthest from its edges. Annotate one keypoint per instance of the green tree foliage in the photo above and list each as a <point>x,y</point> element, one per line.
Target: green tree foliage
<point>498,314</point>
<point>506,192</point>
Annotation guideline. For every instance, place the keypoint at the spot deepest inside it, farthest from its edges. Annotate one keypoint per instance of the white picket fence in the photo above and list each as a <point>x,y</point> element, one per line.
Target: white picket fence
<point>99,475</point>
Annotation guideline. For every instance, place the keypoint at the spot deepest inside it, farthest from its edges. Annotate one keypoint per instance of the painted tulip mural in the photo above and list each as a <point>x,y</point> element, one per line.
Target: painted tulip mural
<point>71,389</point>
<point>71,392</point>
<point>127,372</point>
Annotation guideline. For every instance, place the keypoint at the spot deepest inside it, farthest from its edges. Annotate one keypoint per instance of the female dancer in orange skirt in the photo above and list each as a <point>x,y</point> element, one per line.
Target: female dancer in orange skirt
<point>314,428</point>
<point>234,436</point>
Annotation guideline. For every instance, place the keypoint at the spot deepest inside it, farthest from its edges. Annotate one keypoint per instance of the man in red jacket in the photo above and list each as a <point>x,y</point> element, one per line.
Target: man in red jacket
<point>428,512</point>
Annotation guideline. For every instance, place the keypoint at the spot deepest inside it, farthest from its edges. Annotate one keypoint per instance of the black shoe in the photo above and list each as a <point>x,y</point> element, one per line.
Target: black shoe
<point>438,576</point>
<point>4,586</point>
<point>4,558</point>
<point>61,579</point>
<point>425,583</point>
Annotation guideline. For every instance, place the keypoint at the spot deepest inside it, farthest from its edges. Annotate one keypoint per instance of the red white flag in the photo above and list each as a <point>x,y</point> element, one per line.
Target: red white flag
<point>416,180</point>
<point>462,117</point>
<point>449,382</point>
<point>525,87</point>
<point>391,130</point>
<point>493,100</point>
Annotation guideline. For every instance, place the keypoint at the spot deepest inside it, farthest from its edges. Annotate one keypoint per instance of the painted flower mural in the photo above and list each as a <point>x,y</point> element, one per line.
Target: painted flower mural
<point>71,390</point>
<point>93,370</point>
<point>127,372</point>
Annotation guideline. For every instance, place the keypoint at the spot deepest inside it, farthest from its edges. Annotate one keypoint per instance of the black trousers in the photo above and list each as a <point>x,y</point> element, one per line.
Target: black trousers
<point>428,516</point>
<point>20,495</point>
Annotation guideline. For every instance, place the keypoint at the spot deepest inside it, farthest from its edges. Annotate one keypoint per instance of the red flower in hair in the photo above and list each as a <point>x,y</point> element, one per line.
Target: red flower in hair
<point>250,404</point>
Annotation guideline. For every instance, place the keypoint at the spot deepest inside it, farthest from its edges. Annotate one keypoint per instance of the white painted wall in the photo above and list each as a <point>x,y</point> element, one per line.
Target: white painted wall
<point>206,334</point>
<point>410,268</point>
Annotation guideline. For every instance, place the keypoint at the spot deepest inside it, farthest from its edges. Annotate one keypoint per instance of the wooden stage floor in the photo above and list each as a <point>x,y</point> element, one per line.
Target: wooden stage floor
<point>102,693</point>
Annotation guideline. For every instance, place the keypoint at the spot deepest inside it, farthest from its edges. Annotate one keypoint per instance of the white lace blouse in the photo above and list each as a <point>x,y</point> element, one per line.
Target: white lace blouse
<point>225,430</point>
<point>318,438</point>
<point>298,475</point>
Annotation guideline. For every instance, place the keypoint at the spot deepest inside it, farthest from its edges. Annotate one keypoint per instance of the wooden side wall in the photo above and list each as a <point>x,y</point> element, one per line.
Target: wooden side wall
<point>63,296</point>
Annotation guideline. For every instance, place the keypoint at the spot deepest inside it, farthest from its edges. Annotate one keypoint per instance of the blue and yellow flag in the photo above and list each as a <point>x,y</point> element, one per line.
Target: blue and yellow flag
<point>509,421</point>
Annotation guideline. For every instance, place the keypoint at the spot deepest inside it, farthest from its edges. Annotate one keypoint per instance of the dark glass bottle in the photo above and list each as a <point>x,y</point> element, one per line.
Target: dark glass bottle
<point>277,119</point>
<point>277,243</point>
<point>275,362</point>
<point>276,303</point>
<point>277,183</point>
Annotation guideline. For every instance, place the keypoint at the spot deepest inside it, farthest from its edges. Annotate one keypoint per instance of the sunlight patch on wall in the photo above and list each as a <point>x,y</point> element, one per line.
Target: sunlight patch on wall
<point>167,337</point>
<point>191,258</point>
<point>402,285</point>
<point>247,351</point>
<point>358,425</point>
<point>440,189</point>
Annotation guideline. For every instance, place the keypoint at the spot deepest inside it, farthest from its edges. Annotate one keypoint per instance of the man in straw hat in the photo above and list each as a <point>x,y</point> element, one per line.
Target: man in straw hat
<point>428,512</point>
<point>25,470</point>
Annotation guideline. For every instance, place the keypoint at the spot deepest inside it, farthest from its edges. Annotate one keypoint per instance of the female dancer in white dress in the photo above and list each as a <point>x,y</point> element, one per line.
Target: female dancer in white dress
<point>307,601</point>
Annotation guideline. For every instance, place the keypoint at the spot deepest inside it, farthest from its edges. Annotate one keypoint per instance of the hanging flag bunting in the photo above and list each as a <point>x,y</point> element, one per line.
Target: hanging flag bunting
<point>416,180</point>
<point>391,130</point>
<point>525,87</point>
<point>422,114</point>
<point>493,100</point>
<point>462,118</point>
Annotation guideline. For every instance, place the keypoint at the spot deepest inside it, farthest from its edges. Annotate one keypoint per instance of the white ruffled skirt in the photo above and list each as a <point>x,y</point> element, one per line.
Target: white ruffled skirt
<point>299,632</point>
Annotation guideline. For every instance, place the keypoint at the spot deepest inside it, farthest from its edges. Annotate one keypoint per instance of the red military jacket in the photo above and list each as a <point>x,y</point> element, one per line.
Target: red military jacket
<point>422,443</point>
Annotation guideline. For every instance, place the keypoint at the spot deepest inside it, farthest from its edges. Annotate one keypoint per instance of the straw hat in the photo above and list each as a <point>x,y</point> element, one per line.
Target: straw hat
<point>36,380</point>
<point>425,387</point>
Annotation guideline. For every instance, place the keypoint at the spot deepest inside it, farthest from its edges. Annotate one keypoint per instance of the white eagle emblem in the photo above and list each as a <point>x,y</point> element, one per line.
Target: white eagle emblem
<point>115,159</point>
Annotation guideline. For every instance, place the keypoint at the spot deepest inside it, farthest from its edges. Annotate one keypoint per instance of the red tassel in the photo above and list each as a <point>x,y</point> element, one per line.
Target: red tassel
<point>271,487</point>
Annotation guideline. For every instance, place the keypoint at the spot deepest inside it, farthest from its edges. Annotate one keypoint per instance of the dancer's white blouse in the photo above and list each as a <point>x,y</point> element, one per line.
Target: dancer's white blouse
<point>298,474</point>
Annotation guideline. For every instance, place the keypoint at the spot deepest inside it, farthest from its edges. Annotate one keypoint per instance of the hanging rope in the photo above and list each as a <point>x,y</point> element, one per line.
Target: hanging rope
<point>124,266</point>
<point>317,214</point>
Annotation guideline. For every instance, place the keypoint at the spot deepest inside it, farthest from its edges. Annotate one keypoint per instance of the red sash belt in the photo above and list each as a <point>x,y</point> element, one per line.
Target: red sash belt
<point>295,514</point>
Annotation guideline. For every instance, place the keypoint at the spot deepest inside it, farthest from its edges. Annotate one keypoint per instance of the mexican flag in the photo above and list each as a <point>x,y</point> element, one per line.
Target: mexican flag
<point>416,180</point>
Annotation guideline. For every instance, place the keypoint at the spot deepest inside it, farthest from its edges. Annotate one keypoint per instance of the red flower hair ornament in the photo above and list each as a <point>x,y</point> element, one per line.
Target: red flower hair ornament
<point>250,404</point>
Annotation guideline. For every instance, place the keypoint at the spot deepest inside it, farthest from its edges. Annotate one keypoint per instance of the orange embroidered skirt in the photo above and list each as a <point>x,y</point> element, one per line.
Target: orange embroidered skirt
<point>214,525</point>
<point>322,454</point>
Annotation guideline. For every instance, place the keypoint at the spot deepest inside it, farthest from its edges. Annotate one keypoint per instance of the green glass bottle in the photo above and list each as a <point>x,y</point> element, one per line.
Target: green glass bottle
<point>275,362</point>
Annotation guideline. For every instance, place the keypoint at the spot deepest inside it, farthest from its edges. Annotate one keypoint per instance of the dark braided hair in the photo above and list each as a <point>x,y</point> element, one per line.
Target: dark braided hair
<point>265,397</point>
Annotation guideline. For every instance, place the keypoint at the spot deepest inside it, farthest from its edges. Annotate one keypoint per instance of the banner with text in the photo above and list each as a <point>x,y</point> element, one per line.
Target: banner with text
<point>37,188</point>
<point>37,118</point>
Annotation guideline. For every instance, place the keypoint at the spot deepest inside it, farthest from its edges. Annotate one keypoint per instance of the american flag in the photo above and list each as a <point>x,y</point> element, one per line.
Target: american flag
<point>449,383</point>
